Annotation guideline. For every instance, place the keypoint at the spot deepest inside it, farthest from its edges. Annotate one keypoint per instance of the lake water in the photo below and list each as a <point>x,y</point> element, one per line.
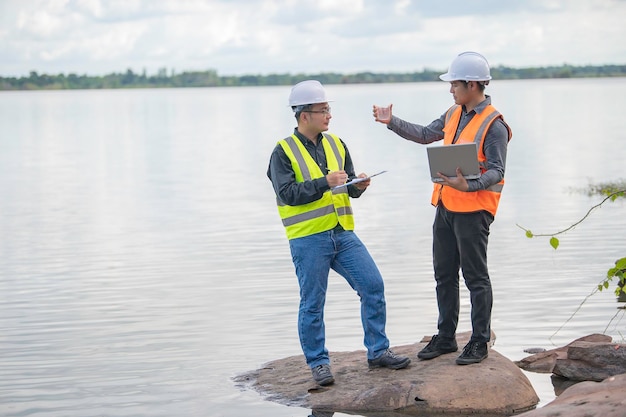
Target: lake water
<point>143,264</point>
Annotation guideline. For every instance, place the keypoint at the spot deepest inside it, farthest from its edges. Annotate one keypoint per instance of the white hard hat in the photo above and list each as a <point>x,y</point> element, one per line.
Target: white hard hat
<point>307,92</point>
<point>468,66</point>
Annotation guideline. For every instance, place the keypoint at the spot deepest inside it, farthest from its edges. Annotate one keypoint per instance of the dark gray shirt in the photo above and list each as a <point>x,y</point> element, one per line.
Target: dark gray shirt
<point>283,178</point>
<point>494,146</point>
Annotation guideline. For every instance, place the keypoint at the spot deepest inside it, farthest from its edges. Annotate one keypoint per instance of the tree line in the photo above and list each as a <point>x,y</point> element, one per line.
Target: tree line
<point>210,78</point>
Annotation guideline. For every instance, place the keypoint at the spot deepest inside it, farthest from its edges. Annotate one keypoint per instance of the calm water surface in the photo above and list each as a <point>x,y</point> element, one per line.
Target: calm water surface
<point>143,264</point>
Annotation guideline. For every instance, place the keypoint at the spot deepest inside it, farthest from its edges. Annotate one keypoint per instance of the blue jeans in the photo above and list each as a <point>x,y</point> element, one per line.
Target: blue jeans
<point>314,256</point>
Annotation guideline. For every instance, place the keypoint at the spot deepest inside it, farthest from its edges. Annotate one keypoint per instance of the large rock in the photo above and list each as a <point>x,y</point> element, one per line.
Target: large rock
<point>589,361</point>
<point>544,362</point>
<point>496,386</point>
<point>589,358</point>
<point>587,399</point>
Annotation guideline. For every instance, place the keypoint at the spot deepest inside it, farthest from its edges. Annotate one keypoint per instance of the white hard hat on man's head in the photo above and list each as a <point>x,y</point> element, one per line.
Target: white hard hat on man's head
<point>307,92</point>
<point>468,66</point>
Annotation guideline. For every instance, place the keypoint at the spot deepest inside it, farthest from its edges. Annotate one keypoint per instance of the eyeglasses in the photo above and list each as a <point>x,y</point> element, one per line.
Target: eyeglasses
<point>325,111</point>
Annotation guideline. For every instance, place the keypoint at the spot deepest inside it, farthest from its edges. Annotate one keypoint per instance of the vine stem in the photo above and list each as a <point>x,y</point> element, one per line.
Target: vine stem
<point>619,310</point>
<point>573,314</point>
<point>581,220</point>
<point>612,195</point>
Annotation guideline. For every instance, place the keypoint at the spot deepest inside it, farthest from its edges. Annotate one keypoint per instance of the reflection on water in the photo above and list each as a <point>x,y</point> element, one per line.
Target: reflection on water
<point>143,264</point>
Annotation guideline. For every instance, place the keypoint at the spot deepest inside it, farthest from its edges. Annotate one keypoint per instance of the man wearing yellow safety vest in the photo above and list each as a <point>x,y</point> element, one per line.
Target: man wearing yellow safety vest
<point>308,171</point>
<point>465,208</point>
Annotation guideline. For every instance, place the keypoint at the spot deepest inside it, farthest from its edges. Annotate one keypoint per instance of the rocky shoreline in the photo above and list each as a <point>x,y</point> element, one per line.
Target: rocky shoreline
<point>496,387</point>
<point>588,375</point>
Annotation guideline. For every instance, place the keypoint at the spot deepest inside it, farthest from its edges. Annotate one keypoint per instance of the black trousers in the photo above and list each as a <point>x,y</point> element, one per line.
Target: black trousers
<point>460,242</point>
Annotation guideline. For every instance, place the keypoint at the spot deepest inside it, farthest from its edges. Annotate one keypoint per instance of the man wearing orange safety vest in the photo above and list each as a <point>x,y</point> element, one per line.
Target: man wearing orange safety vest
<point>465,208</point>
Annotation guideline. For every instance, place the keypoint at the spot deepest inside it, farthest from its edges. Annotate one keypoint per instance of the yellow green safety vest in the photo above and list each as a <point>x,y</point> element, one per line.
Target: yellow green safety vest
<point>333,207</point>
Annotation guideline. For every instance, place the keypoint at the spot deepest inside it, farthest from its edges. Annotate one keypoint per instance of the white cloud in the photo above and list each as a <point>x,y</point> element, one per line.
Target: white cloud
<point>278,36</point>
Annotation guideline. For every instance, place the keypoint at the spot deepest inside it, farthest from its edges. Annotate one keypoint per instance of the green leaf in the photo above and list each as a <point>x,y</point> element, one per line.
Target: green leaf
<point>618,270</point>
<point>554,242</point>
<point>606,284</point>
<point>529,234</point>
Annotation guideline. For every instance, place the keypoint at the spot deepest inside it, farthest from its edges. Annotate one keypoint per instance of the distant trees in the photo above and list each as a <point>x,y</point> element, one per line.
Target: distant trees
<point>563,71</point>
<point>210,78</point>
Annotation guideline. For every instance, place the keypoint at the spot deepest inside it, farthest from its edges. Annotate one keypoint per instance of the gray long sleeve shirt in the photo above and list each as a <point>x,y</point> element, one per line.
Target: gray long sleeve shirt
<point>494,146</point>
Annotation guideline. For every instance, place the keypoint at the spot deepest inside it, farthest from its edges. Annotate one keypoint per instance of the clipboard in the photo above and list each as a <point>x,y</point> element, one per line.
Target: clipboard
<point>357,180</point>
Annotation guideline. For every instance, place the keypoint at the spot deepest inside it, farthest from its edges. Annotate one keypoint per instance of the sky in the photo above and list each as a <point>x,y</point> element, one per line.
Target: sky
<point>260,37</point>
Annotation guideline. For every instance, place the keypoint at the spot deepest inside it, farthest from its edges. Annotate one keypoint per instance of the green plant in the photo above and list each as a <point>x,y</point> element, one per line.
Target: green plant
<point>619,271</point>
<point>612,191</point>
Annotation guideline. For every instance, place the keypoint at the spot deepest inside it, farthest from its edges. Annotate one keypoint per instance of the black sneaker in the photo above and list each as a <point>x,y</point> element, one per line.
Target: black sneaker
<point>322,374</point>
<point>473,352</point>
<point>389,360</point>
<point>437,347</point>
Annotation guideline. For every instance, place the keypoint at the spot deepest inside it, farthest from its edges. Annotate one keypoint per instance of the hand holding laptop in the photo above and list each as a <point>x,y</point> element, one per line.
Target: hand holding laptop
<point>449,160</point>
<point>453,165</point>
<point>457,182</point>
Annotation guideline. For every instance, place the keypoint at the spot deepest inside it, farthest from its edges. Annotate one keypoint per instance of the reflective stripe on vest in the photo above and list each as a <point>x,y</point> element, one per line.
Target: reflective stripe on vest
<point>475,131</point>
<point>333,207</point>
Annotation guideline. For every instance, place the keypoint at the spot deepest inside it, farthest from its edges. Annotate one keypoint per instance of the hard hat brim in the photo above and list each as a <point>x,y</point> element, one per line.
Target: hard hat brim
<point>305,104</point>
<point>452,77</point>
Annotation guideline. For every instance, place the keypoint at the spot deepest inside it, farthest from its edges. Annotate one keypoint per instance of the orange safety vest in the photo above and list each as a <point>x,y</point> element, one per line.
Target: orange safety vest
<point>475,131</point>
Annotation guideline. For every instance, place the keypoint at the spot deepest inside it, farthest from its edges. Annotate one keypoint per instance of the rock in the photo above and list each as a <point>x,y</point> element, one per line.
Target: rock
<point>534,350</point>
<point>560,384</point>
<point>589,358</point>
<point>587,399</point>
<point>589,361</point>
<point>544,362</point>
<point>496,386</point>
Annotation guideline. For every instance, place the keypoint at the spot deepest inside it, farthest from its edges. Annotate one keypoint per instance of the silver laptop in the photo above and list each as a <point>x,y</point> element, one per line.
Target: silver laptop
<point>447,158</point>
